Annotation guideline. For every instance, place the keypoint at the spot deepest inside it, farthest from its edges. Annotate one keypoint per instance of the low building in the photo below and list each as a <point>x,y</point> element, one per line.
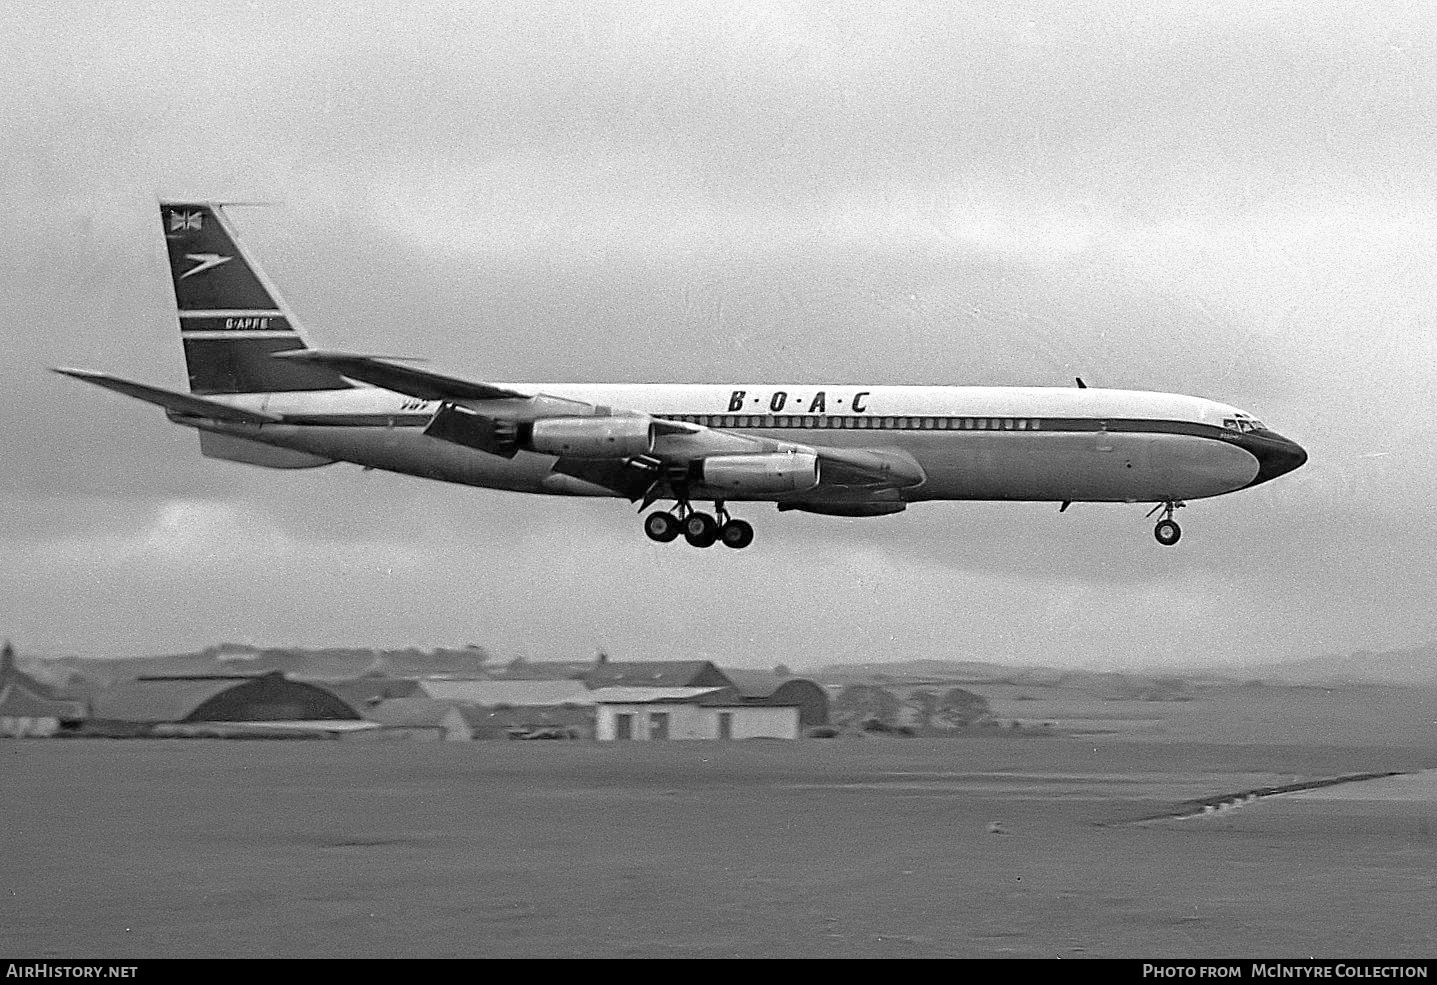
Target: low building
<point>508,693</point>
<point>420,718</point>
<point>759,687</point>
<point>657,713</point>
<point>655,673</point>
<point>520,669</point>
<point>365,692</point>
<point>530,721</point>
<point>28,708</point>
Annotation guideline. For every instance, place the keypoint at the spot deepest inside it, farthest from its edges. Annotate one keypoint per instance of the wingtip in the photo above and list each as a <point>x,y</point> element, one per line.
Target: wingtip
<point>79,374</point>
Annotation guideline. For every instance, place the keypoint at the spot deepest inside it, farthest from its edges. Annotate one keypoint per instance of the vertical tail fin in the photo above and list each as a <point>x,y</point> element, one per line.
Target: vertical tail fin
<point>231,317</point>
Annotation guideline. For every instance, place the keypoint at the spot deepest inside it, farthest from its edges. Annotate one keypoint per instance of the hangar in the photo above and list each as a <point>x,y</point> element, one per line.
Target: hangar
<point>265,698</point>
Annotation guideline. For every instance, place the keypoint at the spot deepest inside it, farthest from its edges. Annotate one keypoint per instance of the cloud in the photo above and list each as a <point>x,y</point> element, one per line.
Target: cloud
<point>1230,201</point>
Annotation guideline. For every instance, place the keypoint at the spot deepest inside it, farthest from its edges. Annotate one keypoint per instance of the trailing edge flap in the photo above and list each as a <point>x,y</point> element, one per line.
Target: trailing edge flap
<point>177,403</point>
<point>620,477</point>
<point>869,467</point>
<point>390,375</point>
<point>463,426</point>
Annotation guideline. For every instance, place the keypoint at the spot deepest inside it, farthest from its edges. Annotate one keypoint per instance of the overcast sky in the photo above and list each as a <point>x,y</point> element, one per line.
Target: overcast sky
<point>1224,199</point>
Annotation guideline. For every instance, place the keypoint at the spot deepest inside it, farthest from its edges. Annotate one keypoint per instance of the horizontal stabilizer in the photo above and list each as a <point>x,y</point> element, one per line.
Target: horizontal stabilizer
<point>178,403</point>
<point>391,375</point>
<point>231,448</point>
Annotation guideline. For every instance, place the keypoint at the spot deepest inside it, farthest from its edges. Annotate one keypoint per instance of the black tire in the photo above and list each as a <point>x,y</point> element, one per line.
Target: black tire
<point>662,527</point>
<point>700,530</point>
<point>737,534</point>
<point>1167,532</point>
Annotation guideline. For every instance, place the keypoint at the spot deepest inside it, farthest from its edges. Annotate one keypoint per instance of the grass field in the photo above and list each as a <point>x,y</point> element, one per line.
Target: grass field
<point>982,846</point>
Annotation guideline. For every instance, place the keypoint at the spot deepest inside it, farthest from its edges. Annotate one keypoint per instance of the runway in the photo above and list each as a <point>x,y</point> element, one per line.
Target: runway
<point>900,848</point>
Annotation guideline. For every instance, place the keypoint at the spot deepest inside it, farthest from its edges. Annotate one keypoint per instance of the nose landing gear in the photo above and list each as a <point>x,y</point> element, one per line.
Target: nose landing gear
<point>1167,531</point>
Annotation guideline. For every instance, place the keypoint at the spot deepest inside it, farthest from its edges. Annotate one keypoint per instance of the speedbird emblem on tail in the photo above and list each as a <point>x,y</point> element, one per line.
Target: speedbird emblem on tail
<point>260,395</point>
<point>203,262</point>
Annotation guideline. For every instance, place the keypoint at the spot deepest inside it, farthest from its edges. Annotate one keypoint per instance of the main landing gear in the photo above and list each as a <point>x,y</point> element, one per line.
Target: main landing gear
<point>1167,531</point>
<point>699,529</point>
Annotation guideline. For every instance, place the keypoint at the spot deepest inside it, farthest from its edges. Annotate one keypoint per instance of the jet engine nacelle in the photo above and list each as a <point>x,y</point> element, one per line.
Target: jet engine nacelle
<point>758,475</point>
<point>590,437</point>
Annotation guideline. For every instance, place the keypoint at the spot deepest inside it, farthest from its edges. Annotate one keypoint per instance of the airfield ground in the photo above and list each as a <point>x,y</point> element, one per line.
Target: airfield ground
<point>992,845</point>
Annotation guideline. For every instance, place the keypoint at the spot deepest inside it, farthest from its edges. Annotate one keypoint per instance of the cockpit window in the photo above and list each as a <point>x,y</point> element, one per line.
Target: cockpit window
<point>1242,424</point>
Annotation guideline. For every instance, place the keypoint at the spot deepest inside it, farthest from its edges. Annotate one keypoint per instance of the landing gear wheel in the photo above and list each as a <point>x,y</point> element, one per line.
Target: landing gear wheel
<point>700,530</point>
<point>737,534</point>
<point>662,527</point>
<point>1167,532</point>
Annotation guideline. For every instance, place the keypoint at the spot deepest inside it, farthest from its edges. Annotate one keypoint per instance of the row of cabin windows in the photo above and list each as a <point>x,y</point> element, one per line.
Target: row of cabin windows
<point>859,423</point>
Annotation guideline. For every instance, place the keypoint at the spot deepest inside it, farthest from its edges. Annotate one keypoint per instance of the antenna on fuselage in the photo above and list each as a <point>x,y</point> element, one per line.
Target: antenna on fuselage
<point>1081,384</point>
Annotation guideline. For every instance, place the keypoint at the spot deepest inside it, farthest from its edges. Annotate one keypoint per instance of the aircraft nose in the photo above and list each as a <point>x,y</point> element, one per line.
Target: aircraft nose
<point>1275,455</point>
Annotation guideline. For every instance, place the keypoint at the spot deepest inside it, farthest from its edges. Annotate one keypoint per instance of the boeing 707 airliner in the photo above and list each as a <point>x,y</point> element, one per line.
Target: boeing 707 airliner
<point>260,395</point>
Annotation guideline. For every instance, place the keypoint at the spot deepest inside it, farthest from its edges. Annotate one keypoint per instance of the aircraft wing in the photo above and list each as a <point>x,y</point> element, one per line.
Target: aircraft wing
<point>184,404</point>
<point>391,375</point>
<point>847,473</point>
<point>850,478</point>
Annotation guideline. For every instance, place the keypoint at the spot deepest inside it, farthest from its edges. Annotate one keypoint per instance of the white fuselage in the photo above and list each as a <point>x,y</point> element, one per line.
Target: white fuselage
<point>972,443</point>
